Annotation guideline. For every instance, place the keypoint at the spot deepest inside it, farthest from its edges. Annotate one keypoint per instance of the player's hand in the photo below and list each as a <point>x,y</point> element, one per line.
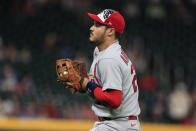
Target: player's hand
<point>70,86</point>
<point>75,87</point>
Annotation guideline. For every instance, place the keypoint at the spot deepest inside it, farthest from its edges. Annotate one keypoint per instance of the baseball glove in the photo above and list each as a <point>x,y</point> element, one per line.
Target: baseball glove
<point>71,73</point>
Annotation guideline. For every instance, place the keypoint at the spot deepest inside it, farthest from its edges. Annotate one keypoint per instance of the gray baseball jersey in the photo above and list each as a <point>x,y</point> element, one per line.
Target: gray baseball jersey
<point>111,69</point>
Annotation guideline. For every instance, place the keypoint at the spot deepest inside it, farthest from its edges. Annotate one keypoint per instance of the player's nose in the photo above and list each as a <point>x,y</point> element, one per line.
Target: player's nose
<point>92,28</point>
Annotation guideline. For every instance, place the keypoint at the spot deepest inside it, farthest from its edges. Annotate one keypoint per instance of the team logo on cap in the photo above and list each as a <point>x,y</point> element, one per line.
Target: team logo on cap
<point>105,14</point>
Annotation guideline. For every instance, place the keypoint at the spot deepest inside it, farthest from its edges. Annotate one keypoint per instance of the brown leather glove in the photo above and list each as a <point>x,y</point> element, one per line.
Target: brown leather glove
<point>72,74</point>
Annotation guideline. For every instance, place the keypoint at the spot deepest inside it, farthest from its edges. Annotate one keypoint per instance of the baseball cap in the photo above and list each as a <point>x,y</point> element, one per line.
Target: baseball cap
<point>111,18</point>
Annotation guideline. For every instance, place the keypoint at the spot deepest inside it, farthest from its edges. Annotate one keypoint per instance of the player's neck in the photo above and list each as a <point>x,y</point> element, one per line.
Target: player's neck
<point>106,44</point>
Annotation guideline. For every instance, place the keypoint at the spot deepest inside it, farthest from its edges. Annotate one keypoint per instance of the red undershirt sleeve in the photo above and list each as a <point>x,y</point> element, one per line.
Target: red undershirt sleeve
<point>111,98</point>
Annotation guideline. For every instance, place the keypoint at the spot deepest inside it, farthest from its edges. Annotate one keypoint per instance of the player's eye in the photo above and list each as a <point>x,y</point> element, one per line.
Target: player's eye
<point>97,24</point>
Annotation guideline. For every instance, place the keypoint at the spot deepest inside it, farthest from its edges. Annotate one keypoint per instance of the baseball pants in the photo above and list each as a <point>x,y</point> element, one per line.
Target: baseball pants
<point>117,125</point>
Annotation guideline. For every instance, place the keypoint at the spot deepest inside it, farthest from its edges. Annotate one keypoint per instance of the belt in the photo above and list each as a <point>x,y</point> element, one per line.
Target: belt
<point>119,118</point>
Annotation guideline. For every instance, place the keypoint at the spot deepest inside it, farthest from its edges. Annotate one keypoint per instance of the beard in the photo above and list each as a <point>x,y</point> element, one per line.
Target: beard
<point>97,41</point>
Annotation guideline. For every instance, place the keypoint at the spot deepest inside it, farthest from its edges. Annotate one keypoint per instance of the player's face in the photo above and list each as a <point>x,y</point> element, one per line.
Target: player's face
<point>97,33</point>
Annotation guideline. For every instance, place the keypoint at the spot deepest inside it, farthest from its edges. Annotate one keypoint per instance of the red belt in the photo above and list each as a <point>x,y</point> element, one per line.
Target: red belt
<point>108,118</point>
<point>132,117</point>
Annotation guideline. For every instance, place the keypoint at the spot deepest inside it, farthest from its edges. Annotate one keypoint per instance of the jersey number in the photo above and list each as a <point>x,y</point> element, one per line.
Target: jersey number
<point>125,59</point>
<point>134,79</point>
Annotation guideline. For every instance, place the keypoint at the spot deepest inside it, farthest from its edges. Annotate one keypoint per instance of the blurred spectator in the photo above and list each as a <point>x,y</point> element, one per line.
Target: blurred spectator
<point>48,109</point>
<point>17,106</point>
<point>132,9</point>
<point>25,56</point>
<point>9,81</point>
<point>30,110</point>
<point>191,118</point>
<point>50,44</point>
<point>148,82</point>
<point>179,102</point>
<point>6,107</point>
<point>157,113</point>
<point>160,108</point>
<point>26,85</point>
<point>12,53</point>
<point>155,10</point>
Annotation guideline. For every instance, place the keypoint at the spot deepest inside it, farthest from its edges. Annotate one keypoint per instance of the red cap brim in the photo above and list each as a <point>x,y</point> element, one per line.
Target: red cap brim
<point>96,18</point>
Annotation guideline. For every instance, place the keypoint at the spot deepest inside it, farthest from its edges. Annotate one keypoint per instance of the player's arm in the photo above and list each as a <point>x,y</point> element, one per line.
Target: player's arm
<point>110,94</point>
<point>110,98</point>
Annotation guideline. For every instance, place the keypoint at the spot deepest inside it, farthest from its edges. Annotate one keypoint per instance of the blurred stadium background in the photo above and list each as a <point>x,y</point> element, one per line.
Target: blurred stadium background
<point>159,38</point>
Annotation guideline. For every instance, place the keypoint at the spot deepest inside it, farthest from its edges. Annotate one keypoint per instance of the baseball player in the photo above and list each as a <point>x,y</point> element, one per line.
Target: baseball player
<point>111,82</point>
<point>112,79</point>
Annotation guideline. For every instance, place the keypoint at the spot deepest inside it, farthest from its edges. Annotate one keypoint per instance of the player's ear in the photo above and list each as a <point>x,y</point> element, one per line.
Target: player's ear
<point>110,31</point>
